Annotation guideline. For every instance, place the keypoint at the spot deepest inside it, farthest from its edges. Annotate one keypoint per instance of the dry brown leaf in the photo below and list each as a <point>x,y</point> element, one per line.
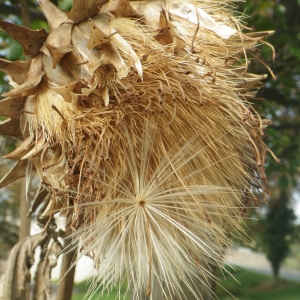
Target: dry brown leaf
<point>34,77</point>
<point>97,37</point>
<point>37,147</point>
<point>82,9</point>
<point>37,201</point>
<point>31,40</point>
<point>111,55</point>
<point>58,42</point>
<point>88,57</point>
<point>150,10</point>
<point>11,107</point>
<point>55,17</point>
<point>16,172</point>
<point>65,74</point>
<point>124,9</point>
<point>165,37</point>
<point>21,150</point>
<point>11,127</point>
<point>17,70</point>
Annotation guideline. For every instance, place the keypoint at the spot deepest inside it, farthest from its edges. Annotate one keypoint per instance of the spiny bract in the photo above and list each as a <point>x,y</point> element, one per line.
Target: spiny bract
<point>136,117</point>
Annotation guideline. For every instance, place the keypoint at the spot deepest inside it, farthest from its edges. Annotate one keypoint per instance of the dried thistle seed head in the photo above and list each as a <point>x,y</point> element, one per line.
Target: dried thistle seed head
<point>137,121</point>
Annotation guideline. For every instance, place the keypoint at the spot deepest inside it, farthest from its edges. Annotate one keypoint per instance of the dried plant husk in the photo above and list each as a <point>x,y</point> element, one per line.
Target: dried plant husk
<point>139,123</point>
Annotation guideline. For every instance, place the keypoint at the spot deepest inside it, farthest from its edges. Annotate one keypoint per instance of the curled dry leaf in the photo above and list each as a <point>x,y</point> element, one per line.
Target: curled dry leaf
<point>12,107</point>
<point>55,17</point>
<point>17,70</point>
<point>11,127</point>
<point>16,172</point>
<point>31,40</point>
<point>82,10</point>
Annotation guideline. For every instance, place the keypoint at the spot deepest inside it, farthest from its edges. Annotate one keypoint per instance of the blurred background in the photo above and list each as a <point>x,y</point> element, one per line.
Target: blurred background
<point>273,246</point>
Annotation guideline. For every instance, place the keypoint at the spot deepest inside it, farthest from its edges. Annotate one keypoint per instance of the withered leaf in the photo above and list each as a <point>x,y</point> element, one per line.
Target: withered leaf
<point>38,146</point>
<point>82,9</point>
<point>150,10</point>
<point>34,76</point>
<point>31,40</point>
<point>11,107</point>
<point>88,57</point>
<point>55,17</point>
<point>97,37</point>
<point>165,37</point>
<point>39,198</point>
<point>16,172</point>
<point>58,43</point>
<point>11,127</point>
<point>111,55</point>
<point>124,9</point>
<point>17,70</point>
<point>21,150</point>
<point>65,74</point>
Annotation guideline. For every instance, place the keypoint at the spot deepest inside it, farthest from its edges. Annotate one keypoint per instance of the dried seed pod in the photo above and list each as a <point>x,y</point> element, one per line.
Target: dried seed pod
<point>141,130</point>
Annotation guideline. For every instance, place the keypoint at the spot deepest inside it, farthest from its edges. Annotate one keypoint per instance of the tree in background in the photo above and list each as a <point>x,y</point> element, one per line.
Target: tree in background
<point>29,14</point>
<point>283,106</point>
<point>9,204</point>
<point>278,225</point>
<point>8,215</point>
<point>135,176</point>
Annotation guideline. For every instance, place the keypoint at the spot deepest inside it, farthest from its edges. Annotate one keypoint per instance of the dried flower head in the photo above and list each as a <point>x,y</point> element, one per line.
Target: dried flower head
<point>137,118</point>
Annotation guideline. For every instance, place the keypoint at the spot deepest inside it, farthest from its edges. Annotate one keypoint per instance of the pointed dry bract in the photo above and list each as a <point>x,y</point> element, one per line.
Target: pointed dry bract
<point>12,107</point>
<point>82,10</point>
<point>16,172</point>
<point>11,127</point>
<point>55,17</point>
<point>31,40</point>
<point>17,70</point>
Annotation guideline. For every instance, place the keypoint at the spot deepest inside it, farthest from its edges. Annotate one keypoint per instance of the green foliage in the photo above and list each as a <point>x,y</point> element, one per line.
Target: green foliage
<point>8,227</point>
<point>293,260</point>
<point>80,291</point>
<point>275,232</point>
<point>247,285</point>
<point>241,284</point>
<point>65,4</point>
<point>278,231</point>
<point>283,95</point>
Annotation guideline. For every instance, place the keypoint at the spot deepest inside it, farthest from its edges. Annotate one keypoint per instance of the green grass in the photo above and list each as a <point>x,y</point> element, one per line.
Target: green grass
<point>247,285</point>
<point>80,290</point>
<point>255,286</point>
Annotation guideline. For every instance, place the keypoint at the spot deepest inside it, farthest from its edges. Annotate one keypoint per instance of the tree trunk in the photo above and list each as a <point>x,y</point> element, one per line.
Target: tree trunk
<point>24,229</point>
<point>275,270</point>
<point>67,272</point>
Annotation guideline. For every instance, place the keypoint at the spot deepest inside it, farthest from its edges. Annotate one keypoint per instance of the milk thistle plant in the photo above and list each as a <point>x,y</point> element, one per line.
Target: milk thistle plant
<point>139,119</point>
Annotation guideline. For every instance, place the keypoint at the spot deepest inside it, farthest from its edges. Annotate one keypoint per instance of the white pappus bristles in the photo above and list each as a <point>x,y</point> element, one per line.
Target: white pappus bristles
<point>157,222</point>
